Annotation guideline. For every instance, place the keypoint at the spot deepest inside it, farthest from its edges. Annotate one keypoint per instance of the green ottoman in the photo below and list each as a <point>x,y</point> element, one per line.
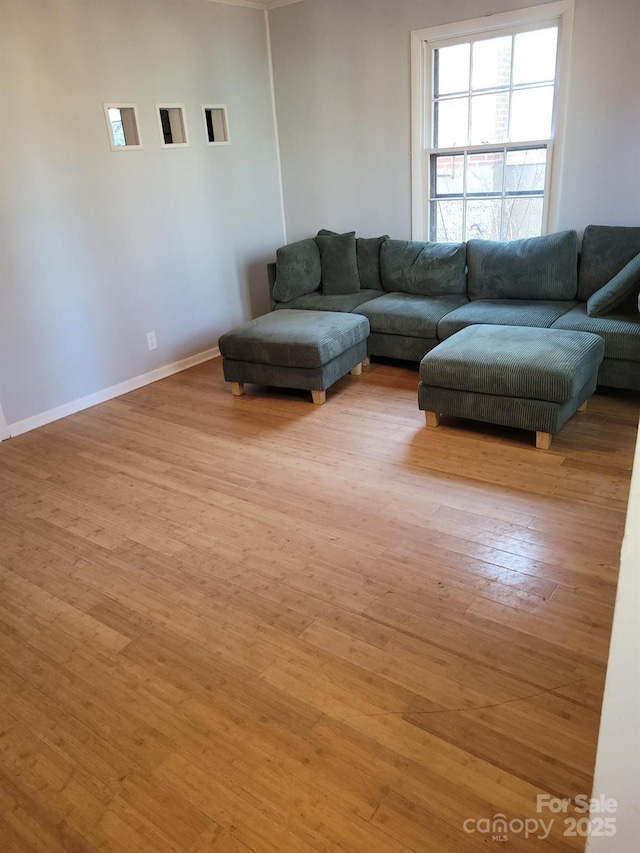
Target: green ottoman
<point>519,377</point>
<point>295,349</point>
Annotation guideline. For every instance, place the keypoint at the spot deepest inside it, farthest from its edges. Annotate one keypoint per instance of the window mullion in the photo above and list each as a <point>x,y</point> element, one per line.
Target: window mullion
<point>471,60</point>
<point>464,194</point>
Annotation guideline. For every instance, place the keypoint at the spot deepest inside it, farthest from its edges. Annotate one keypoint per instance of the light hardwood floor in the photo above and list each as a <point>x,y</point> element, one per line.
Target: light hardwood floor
<point>233,624</point>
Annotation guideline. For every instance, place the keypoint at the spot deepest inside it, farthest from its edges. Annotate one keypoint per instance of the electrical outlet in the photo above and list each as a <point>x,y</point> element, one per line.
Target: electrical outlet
<point>152,343</point>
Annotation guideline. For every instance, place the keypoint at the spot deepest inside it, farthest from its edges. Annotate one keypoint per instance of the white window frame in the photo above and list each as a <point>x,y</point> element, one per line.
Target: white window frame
<point>183,119</point>
<point>423,41</point>
<point>121,106</point>
<point>225,120</point>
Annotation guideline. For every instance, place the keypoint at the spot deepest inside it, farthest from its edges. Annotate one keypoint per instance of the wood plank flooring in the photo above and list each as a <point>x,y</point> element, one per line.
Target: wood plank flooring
<point>254,624</point>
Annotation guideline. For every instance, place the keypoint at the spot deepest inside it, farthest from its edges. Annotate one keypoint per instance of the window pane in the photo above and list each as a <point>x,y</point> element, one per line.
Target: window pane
<point>531,111</point>
<point>451,122</point>
<point>534,58</point>
<point>115,118</point>
<point>451,69</point>
<point>448,175</point>
<point>483,219</point>
<point>489,118</point>
<point>491,63</point>
<point>446,216</point>
<point>522,218</point>
<point>526,170</point>
<point>484,172</point>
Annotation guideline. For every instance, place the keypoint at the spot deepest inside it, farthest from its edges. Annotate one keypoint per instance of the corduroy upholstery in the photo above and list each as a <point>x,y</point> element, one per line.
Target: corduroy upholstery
<point>407,314</point>
<point>522,377</point>
<point>535,364</point>
<point>338,263</point>
<point>399,346</point>
<point>321,302</point>
<point>368,256</point>
<point>298,270</point>
<point>617,291</point>
<point>402,322</point>
<point>289,338</point>
<point>606,249</point>
<point>536,268</point>
<point>305,378</point>
<point>517,412</point>
<point>503,312</point>
<point>431,269</point>
<point>618,373</point>
<point>620,332</point>
<point>309,350</point>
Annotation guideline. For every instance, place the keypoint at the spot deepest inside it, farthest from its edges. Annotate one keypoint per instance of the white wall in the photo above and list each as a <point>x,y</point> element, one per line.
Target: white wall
<point>602,176</point>
<point>342,78</point>
<point>617,773</point>
<point>97,247</point>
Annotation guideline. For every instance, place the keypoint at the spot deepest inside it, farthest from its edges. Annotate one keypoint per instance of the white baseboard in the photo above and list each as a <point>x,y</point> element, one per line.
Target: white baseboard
<point>74,406</point>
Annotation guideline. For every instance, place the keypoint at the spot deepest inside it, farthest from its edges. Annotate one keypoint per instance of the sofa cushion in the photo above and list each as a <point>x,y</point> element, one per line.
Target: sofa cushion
<point>606,249</point>
<point>408,314</point>
<point>429,269</point>
<point>298,270</point>
<point>294,338</point>
<point>533,364</point>
<point>616,291</point>
<point>339,267</point>
<point>535,268</point>
<point>502,312</point>
<point>320,302</point>
<point>621,331</point>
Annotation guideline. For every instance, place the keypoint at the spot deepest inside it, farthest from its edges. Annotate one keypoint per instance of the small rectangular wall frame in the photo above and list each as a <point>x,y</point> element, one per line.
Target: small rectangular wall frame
<point>216,124</point>
<point>123,126</point>
<point>172,123</point>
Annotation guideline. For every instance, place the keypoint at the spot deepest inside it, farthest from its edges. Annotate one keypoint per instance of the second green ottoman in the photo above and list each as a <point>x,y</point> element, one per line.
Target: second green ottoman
<point>520,377</point>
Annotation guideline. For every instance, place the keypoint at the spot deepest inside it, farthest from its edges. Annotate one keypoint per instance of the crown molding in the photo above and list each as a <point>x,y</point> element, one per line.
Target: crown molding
<point>272,4</point>
<point>257,4</point>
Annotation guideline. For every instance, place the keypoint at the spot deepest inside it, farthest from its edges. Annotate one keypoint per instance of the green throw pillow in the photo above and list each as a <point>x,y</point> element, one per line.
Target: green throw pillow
<point>298,270</point>
<point>616,290</point>
<point>368,256</point>
<point>339,264</point>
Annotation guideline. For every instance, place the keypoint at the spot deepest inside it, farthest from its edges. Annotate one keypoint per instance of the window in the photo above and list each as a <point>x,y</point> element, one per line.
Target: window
<point>172,125</point>
<point>485,115</point>
<point>216,124</point>
<point>122,125</point>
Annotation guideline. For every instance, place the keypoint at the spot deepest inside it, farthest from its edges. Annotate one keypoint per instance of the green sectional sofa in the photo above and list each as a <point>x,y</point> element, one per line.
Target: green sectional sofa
<point>416,294</point>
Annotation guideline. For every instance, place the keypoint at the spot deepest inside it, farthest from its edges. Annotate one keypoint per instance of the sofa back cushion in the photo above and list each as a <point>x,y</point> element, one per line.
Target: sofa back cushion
<point>606,249</point>
<point>429,269</point>
<point>535,268</point>
<point>298,270</point>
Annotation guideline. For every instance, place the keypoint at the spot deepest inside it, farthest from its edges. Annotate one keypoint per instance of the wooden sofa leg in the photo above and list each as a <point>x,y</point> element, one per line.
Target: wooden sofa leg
<point>357,370</point>
<point>319,397</point>
<point>237,388</point>
<point>583,407</point>
<point>366,361</point>
<point>543,440</point>
<point>432,418</point>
